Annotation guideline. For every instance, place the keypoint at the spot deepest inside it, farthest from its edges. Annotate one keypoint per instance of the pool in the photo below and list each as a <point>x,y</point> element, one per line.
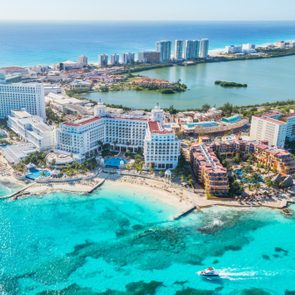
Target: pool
<point>114,162</point>
<point>36,173</point>
<point>202,124</point>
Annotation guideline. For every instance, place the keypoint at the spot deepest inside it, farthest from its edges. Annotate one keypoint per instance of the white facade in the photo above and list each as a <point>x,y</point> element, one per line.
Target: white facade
<point>164,47</point>
<point>32,129</point>
<point>204,48</point>
<point>161,147</point>
<point>191,49</point>
<point>114,59</point>
<point>269,129</point>
<point>103,60</point>
<point>178,51</point>
<point>290,120</point>
<point>83,60</point>
<point>83,138</point>
<point>128,58</point>
<point>22,96</point>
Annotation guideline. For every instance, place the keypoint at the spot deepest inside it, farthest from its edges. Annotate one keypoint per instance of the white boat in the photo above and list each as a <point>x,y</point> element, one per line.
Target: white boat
<point>208,272</point>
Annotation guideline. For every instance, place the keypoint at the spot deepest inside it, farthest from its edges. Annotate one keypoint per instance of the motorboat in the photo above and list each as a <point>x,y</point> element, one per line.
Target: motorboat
<point>208,272</point>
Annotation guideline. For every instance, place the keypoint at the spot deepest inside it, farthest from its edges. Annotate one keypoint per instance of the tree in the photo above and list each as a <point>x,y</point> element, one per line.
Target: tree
<point>227,109</point>
<point>172,110</point>
<point>205,107</point>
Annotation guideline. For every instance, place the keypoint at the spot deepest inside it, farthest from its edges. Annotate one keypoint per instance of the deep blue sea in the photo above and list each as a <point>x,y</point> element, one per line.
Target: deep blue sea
<point>46,43</point>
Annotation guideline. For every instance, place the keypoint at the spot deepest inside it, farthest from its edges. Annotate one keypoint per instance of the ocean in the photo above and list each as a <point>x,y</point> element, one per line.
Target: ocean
<point>25,43</point>
<point>125,243</point>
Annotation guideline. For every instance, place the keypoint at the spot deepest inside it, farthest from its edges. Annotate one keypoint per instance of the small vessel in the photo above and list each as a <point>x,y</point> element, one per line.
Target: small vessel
<point>208,272</point>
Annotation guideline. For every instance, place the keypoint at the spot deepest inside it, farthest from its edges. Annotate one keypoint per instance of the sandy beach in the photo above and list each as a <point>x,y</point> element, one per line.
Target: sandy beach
<point>160,189</point>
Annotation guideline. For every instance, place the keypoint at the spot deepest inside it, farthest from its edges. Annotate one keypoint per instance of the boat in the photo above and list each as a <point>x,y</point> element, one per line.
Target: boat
<point>208,272</point>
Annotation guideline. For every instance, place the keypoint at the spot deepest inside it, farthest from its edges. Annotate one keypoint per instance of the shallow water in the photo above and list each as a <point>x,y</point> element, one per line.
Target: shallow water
<point>124,241</point>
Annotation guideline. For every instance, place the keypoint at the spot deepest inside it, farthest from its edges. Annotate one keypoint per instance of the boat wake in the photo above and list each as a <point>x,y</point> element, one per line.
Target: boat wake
<point>235,274</point>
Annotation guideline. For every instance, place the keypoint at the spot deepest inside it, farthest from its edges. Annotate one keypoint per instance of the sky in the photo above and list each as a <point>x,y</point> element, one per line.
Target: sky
<point>100,10</point>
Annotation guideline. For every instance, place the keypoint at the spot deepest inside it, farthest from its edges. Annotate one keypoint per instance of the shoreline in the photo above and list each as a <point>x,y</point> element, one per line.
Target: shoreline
<point>173,195</point>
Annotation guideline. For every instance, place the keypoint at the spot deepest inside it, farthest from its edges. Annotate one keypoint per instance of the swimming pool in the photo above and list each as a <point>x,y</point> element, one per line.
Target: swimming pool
<point>114,162</point>
<point>36,173</point>
<point>202,124</point>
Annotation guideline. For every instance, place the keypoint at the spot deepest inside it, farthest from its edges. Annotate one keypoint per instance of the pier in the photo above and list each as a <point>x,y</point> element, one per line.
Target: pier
<point>17,193</point>
<point>100,183</point>
<point>185,213</point>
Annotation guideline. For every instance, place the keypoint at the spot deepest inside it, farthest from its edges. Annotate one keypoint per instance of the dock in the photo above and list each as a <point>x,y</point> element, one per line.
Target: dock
<point>185,213</point>
<point>100,183</point>
<point>17,193</point>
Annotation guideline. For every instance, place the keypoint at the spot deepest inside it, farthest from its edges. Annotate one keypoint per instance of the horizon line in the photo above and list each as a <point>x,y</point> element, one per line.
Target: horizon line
<point>147,20</point>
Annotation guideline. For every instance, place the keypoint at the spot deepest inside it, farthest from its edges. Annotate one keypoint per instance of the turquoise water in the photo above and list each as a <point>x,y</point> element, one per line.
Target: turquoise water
<point>126,241</point>
<point>268,80</point>
<point>36,173</point>
<point>202,124</point>
<point>114,162</point>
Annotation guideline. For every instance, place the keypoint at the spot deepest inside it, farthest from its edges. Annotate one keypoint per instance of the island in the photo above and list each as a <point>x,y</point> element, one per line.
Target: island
<point>228,84</point>
<point>140,83</point>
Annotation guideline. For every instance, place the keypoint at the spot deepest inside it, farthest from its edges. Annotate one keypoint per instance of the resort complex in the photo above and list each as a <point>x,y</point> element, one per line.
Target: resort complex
<point>224,151</point>
<point>85,137</point>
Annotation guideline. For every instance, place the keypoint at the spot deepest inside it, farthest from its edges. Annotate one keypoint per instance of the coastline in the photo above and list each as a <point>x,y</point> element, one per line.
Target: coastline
<point>180,199</point>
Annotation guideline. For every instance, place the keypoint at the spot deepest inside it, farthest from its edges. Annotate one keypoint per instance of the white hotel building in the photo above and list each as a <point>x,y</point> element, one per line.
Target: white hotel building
<point>32,129</point>
<point>273,127</point>
<point>83,138</point>
<point>22,96</point>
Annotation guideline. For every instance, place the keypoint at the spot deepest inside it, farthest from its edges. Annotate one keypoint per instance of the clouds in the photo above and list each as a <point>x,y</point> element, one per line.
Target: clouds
<point>147,10</point>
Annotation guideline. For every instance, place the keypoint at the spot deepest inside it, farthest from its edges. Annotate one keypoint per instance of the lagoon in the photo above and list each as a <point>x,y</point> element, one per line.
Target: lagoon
<point>268,80</point>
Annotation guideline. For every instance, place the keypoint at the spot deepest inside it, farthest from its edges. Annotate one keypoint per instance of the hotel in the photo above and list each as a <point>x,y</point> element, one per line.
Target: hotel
<point>149,57</point>
<point>83,138</point>
<point>32,129</point>
<point>209,171</point>
<point>178,55</point>
<point>161,145</point>
<point>273,127</point>
<point>164,47</point>
<point>191,50</point>
<point>204,48</point>
<point>103,60</point>
<point>22,96</point>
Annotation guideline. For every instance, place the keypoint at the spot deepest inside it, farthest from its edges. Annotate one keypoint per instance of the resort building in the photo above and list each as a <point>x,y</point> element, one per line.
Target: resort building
<point>164,47</point>
<point>268,127</point>
<point>149,57</point>
<point>209,171</point>
<point>191,49</point>
<point>178,51</point>
<point>204,48</point>
<point>103,60</point>
<point>161,145</point>
<point>115,59</point>
<point>83,60</point>
<point>32,129</point>
<point>128,58</point>
<point>22,96</point>
<point>278,160</point>
<point>83,138</point>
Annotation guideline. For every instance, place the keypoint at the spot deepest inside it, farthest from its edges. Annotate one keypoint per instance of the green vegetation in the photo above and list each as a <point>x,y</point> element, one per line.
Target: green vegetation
<point>229,84</point>
<point>77,168</point>
<point>76,92</point>
<point>37,158</point>
<point>167,91</point>
<point>52,117</point>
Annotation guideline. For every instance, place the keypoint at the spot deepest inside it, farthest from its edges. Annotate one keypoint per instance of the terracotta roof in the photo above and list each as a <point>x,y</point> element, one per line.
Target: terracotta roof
<point>155,128</point>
